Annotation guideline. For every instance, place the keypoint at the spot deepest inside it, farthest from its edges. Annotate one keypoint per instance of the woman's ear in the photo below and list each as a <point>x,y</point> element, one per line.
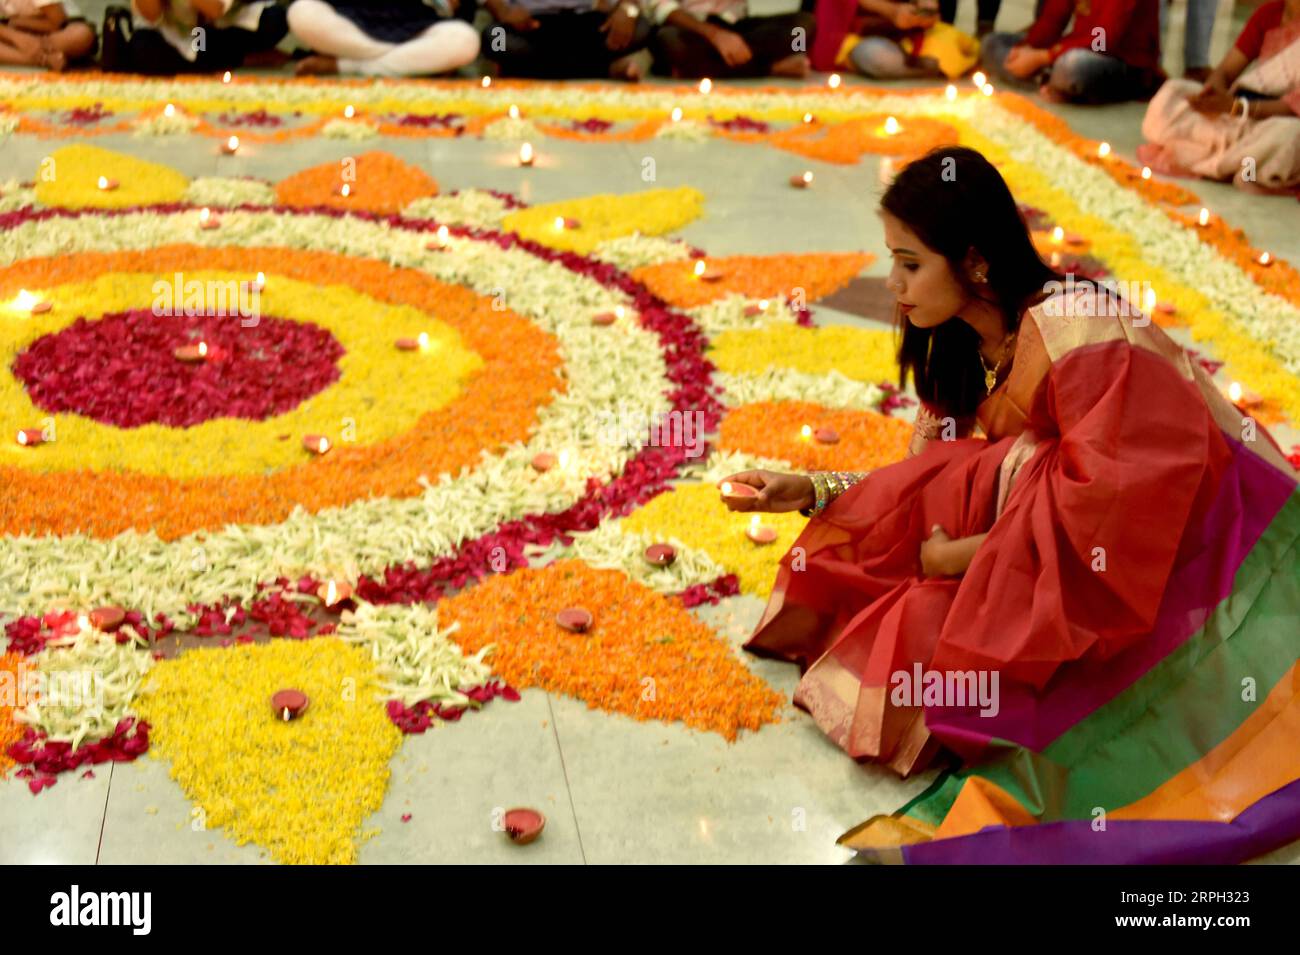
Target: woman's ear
<point>975,267</point>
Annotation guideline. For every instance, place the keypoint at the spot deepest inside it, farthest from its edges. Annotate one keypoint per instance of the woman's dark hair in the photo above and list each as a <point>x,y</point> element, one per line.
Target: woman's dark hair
<point>955,201</point>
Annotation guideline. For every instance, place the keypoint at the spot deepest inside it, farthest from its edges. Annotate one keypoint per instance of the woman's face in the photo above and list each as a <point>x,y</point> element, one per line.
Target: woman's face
<point>921,279</point>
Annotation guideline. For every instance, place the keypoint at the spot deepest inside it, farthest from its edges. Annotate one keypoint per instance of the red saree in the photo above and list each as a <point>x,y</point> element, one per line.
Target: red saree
<point>1100,448</point>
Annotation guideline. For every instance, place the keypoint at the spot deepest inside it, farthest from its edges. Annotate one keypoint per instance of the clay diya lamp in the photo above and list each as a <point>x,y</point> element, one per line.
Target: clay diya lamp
<point>523,825</point>
<point>661,555</point>
<point>107,619</point>
<point>737,491</point>
<point>290,704</point>
<point>574,619</point>
<point>826,435</point>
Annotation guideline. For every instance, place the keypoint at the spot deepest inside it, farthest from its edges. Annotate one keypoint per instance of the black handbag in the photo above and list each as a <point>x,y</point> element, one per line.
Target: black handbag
<point>115,35</point>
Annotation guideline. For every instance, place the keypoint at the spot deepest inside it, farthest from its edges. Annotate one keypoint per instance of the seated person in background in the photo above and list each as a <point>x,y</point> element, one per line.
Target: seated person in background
<point>719,38</point>
<point>1197,34</point>
<point>390,38</point>
<point>1244,123</point>
<point>1110,53</point>
<point>196,36</point>
<point>986,12</point>
<point>43,33</point>
<point>552,39</point>
<point>889,40</point>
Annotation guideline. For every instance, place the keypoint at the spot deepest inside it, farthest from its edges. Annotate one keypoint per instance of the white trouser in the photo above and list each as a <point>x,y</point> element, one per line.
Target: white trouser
<point>443,47</point>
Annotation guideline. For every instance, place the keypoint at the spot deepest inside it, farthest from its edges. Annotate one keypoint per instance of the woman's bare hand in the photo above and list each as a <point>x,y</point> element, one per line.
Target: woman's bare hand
<point>777,492</point>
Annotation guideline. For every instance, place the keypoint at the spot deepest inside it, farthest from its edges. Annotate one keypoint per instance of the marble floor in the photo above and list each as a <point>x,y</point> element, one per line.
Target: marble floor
<point>614,790</point>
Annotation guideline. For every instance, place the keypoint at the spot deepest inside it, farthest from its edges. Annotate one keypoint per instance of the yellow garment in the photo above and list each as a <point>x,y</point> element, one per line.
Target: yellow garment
<point>954,51</point>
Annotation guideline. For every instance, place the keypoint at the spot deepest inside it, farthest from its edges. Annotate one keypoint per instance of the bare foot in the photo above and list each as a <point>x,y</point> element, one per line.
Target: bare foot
<point>796,65</point>
<point>1158,158</point>
<point>317,65</point>
<point>631,67</point>
<point>1051,94</point>
<point>53,60</point>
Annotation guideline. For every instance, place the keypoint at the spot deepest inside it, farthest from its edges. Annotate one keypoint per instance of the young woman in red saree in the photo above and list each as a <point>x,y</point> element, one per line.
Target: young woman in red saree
<point>1078,499</point>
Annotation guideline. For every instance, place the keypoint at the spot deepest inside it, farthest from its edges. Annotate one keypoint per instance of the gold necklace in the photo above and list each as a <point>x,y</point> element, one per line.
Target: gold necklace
<point>991,374</point>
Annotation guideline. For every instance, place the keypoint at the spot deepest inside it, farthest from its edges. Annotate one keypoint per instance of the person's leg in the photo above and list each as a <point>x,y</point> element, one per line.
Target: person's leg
<point>986,13</point>
<point>445,46</point>
<point>74,40</point>
<point>327,32</point>
<point>1083,76</point>
<point>882,59</point>
<point>1199,30</point>
<point>148,52</point>
<point>993,56</point>
<point>18,47</point>
<point>571,45</point>
<point>686,55</point>
<point>772,41</point>
<point>513,50</point>
<point>229,47</point>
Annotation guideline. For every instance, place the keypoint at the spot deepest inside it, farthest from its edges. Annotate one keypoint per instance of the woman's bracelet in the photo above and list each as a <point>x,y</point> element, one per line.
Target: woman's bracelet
<point>827,486</point>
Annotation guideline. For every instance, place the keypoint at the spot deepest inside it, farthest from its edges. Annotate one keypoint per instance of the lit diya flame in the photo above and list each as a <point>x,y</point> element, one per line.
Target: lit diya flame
<point>805,432</point>
<point>802,181</point>
<point>1146,172</point>
<point>316,443</point>
<point>759,532</point>
<point>487,81</point>
<point>891,126</point>
<point>230,146</point>
<point>526,154</point>
<point>979,79</point>
<point>169,110</point>
<point>226,77</point>
<point>349,111</point>
<point>1204,218</point>
<point>559,223</point>
<point>1103,150</point>
<point>738,490</point>
<point>30,437</point>
<point>677,114</point>
<point>706,85</point>
<point>345,190</point>
<point>1058,235</point>
<point>950,92</point>
<point>441,244</point>
<point>834,81</point>
<point>807,117</point>
<point>206,221</point>
<point>332,593</point>
<point>106,185</point>
<point>514,111</point>
<point>987,89</point>
<point>706,274</point>
<point>27,302</point>
<point>289,704</point>
<point>197,352</point>
<point>1149,301</point>
<point>1265,259</point>
<point>1242,397</point>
